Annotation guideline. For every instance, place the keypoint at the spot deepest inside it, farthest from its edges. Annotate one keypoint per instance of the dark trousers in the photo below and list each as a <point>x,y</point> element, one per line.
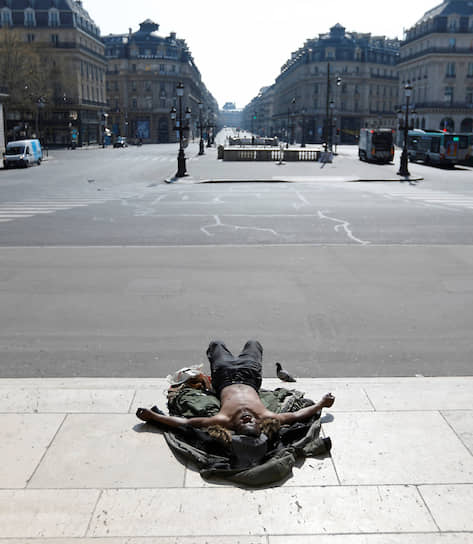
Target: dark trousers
<point>226,369</point>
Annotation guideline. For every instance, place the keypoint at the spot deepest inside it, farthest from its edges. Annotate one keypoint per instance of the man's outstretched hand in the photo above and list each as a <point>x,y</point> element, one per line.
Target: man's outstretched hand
<point>327,400</point>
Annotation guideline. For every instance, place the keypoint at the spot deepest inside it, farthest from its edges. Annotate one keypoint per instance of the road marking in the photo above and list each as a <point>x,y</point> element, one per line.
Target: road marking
<point>11,211</point>
<point>343,225</point>
<point>218,223</point>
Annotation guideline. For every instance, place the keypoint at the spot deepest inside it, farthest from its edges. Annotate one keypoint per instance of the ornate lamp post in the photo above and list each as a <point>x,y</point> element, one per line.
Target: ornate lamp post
<point>404,170</point>
<point>293,101</point>
<point>303,127</point>
<point>40,104</point>
<point>201,142</point>
<point>181,157</point>
<point>104,131</point>
<point>209,127</point>
<point>330,125</point>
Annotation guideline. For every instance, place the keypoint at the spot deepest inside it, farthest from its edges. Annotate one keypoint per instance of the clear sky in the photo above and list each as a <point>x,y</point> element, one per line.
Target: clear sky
<point>240,46</point>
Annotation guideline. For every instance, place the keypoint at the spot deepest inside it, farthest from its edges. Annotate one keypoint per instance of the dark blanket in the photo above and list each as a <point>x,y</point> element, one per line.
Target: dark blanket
<point>214,460</point>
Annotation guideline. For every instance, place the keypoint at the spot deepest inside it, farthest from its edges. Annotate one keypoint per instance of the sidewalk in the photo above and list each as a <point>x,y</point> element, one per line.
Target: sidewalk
<point>77,464</point>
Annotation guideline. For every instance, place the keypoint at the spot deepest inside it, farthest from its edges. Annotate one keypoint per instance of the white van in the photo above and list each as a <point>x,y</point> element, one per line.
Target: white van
<point>22,153</point>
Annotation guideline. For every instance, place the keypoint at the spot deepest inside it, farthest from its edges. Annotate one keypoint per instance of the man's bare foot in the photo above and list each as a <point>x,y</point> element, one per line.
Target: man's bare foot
<point>144,414</point>
<point>327,400</point>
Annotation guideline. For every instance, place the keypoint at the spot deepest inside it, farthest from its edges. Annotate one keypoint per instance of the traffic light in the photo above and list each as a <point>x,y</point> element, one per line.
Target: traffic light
<point>339,81</point>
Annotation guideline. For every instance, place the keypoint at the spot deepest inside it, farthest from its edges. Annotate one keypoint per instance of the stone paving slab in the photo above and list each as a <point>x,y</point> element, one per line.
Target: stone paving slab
<point>430,538</point>
<point>434,395</point>
<point>24,439</point>
<point>398,448</point>
<point>277,511</point>
<point>235,539</point>
<point>450,505</point>
<point>416,538</point>
<point>462,423</point>
<point>102,451</point>
<point>28,400</point>
<point>46,513</point>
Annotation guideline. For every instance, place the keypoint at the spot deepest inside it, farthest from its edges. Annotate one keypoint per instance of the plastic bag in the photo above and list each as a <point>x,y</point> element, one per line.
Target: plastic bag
<point>185,374</point>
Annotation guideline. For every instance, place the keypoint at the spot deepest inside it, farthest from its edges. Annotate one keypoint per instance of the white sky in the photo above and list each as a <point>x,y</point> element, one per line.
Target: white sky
<point>240,46</point>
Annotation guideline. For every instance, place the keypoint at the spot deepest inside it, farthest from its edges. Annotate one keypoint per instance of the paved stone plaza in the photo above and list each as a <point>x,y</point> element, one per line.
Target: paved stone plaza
<point>78,466</point>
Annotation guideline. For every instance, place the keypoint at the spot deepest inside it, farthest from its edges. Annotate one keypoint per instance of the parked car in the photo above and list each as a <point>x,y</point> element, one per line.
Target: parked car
<point>120,142</point>
<point>22,153</point>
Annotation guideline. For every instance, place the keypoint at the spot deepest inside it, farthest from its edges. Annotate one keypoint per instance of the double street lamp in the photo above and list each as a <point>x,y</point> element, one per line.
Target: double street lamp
<point>179,126</point>
<point>289,134</point>
<point>404,169</point>
<point>303,113</point>
<point>201,142</point>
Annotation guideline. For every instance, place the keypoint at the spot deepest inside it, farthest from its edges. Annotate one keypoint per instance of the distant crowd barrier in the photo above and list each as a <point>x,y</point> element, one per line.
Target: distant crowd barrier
<point>288,155</point>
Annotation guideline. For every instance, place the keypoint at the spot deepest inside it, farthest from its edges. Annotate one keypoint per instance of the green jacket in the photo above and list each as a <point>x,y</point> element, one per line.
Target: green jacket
<point>301,440</point>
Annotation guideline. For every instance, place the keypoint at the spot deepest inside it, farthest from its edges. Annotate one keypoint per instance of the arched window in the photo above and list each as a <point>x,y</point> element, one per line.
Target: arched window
<point>423,123</point>
<point>467,125</point>
<point>54,17</point>
<point>6,18</point>
<point>30,17</point>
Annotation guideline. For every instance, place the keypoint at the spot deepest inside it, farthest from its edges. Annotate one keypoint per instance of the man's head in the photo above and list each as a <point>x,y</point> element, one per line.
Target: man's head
<point>247,424</point>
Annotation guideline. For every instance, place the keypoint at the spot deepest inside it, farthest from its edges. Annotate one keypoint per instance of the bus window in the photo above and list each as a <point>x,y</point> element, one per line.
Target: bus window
<point>435,145</point>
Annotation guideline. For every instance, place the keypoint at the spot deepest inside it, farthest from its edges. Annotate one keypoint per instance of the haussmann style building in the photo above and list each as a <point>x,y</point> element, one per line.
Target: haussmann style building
<point>144,70</point>
<point>63,31</point>
<point>338,82</point>
<point>437,61</point>
<point>343,81</point>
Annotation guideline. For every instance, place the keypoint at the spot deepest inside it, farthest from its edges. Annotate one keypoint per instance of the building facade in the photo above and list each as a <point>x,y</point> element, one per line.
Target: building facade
<point>63,33</point>
<point>336,83</point>
<point>340,82</point>
<point>437,61</point>
<point>144,70</point>
<point>230,115</point>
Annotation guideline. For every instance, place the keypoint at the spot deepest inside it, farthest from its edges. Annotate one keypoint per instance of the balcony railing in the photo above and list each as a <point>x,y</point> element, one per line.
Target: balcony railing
<point>438,51</point>
<point>444,105</point>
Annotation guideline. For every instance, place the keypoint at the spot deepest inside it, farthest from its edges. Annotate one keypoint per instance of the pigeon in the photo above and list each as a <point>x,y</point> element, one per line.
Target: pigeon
<point>283,374</point>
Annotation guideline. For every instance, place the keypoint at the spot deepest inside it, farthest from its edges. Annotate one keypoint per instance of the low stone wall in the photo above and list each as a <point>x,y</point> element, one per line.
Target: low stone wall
<point>270,154</point>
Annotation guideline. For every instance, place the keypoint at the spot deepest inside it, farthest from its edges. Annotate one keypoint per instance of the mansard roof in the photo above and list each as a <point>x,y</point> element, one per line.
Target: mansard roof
<point>449,7</point>
<point>72,13</point>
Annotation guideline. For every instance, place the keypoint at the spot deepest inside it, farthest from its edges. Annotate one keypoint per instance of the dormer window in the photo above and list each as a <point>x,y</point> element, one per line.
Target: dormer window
<point>453,24</point>
<point>30,17</point>
<point>6,18</point>
<point>53,17</point>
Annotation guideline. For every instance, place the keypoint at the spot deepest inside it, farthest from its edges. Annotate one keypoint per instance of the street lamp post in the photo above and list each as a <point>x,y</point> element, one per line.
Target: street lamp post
<point>181,157</point>
<point>293,101</point>
<point>209,140</point>
<point>403,169</point>
<point>330,125</point>
<point>201,142</point>
<point>104,133</point>
<point>40,103</point>
<point>303,127</point>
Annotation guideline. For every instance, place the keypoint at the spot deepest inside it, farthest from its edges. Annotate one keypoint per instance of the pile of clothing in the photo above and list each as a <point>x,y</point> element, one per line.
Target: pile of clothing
<point>244,463</point>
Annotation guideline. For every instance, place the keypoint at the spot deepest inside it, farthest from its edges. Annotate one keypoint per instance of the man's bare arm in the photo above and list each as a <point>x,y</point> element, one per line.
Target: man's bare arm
<point>173,421</point>
<point>306,413</point>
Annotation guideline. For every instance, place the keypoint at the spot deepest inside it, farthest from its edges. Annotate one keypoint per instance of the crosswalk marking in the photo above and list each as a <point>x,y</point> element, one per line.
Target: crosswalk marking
<point>11,211</point>
<point>435,197</point>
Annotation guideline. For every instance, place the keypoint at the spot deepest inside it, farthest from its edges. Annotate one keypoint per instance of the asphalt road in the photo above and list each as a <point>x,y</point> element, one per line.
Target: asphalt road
<point>108,271</point>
